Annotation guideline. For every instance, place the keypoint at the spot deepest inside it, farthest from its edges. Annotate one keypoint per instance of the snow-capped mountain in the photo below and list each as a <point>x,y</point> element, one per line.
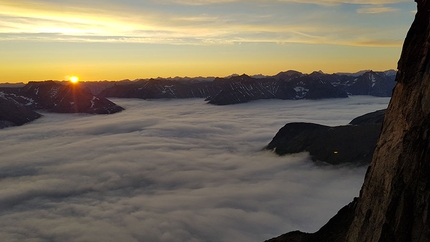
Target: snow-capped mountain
<point>244,88</point>
<point>66,98</point>
<point>18,105</point>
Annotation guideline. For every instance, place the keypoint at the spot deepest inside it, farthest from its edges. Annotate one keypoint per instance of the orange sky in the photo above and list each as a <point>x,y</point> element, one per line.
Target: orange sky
<point>130,39</point>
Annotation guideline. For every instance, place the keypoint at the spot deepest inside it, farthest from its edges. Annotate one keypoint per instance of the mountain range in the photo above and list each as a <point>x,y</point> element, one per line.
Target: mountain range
<point>19,103</point>
<point>243,88</point>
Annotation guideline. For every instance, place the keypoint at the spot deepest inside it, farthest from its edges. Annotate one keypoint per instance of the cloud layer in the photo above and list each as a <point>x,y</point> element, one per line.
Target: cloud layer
<point>171,171</point>
<point>204,22</point>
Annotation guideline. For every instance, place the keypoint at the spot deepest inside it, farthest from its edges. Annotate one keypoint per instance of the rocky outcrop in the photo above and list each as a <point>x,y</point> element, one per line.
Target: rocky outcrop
<point>394,202</point>
<point>12,113</point>
<point>354,143</point>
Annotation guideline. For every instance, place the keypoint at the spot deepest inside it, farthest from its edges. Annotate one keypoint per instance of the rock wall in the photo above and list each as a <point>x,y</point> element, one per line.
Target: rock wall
<point>394,202</point>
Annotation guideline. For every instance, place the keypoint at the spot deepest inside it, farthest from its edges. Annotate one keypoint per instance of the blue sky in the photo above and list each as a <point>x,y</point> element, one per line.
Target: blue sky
<point>112,39</point>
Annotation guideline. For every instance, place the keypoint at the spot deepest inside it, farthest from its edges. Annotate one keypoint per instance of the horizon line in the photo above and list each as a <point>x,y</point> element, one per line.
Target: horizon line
<point>203,77</point>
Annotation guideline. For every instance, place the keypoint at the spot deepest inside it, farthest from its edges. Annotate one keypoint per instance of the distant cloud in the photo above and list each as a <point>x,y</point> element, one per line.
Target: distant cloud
<point>198,2</point>
<point>378,43</point>
<point>376,10</point>
<point>157,23</point>
<point>318,2</point>
<point>336,2</point>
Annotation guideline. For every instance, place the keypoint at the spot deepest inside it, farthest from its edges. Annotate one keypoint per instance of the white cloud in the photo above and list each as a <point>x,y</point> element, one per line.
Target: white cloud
<point>318,2</point>
<point>163,23</point>
<point>198,2</point>
<point>376,10</point>
<point>336,2</point>
<point>170,170</point>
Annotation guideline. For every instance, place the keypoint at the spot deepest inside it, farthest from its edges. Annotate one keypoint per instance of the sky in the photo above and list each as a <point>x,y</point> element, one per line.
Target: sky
<point>176,171</point>
<point>130,39</point>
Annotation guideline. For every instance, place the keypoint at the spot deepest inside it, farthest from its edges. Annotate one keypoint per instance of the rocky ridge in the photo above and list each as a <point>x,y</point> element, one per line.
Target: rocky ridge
<point>353,143</point>
<point>19,105</point>
<point>65,98</point>
<point>244,88</point>
<point>13,113</point>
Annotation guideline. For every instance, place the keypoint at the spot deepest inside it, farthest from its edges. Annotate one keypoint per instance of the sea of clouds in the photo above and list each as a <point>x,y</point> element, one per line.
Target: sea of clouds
<point>171,170</point>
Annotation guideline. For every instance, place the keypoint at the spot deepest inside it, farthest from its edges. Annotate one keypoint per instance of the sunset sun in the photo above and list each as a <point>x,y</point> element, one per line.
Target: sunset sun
<point>74,79</point>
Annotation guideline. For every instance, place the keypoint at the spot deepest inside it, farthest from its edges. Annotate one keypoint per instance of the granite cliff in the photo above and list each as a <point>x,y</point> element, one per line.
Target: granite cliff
<point>394,201</point>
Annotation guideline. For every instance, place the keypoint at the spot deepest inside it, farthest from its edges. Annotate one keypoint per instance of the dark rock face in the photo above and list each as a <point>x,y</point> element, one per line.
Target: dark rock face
<point>243,88</point>
<point>394,202</point>
<point>376,117</point>
<point>334,145</point>
<point>12,113</point>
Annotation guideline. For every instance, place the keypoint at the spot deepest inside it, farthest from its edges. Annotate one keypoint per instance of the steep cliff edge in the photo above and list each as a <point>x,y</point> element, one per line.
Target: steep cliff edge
<point>394,202</point>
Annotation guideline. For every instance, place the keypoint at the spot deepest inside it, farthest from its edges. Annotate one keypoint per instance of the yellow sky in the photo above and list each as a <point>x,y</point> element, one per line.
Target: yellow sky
<point>130,39</point>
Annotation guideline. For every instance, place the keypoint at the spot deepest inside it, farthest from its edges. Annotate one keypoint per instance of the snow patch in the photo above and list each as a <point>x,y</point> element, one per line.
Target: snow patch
<point>373,79</point>
<point>54,91</point>
<point>92,101</point>
<point>301,92</point>
<point>301,89</point>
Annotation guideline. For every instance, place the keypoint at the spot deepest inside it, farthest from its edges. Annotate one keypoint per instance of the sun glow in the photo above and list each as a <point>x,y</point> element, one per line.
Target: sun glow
<point>74,79</point>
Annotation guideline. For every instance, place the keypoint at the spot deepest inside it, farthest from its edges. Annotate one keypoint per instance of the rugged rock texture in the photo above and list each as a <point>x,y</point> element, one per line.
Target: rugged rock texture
<point>12,113</point>
<point>354,143</point>
<point>394,202</point>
